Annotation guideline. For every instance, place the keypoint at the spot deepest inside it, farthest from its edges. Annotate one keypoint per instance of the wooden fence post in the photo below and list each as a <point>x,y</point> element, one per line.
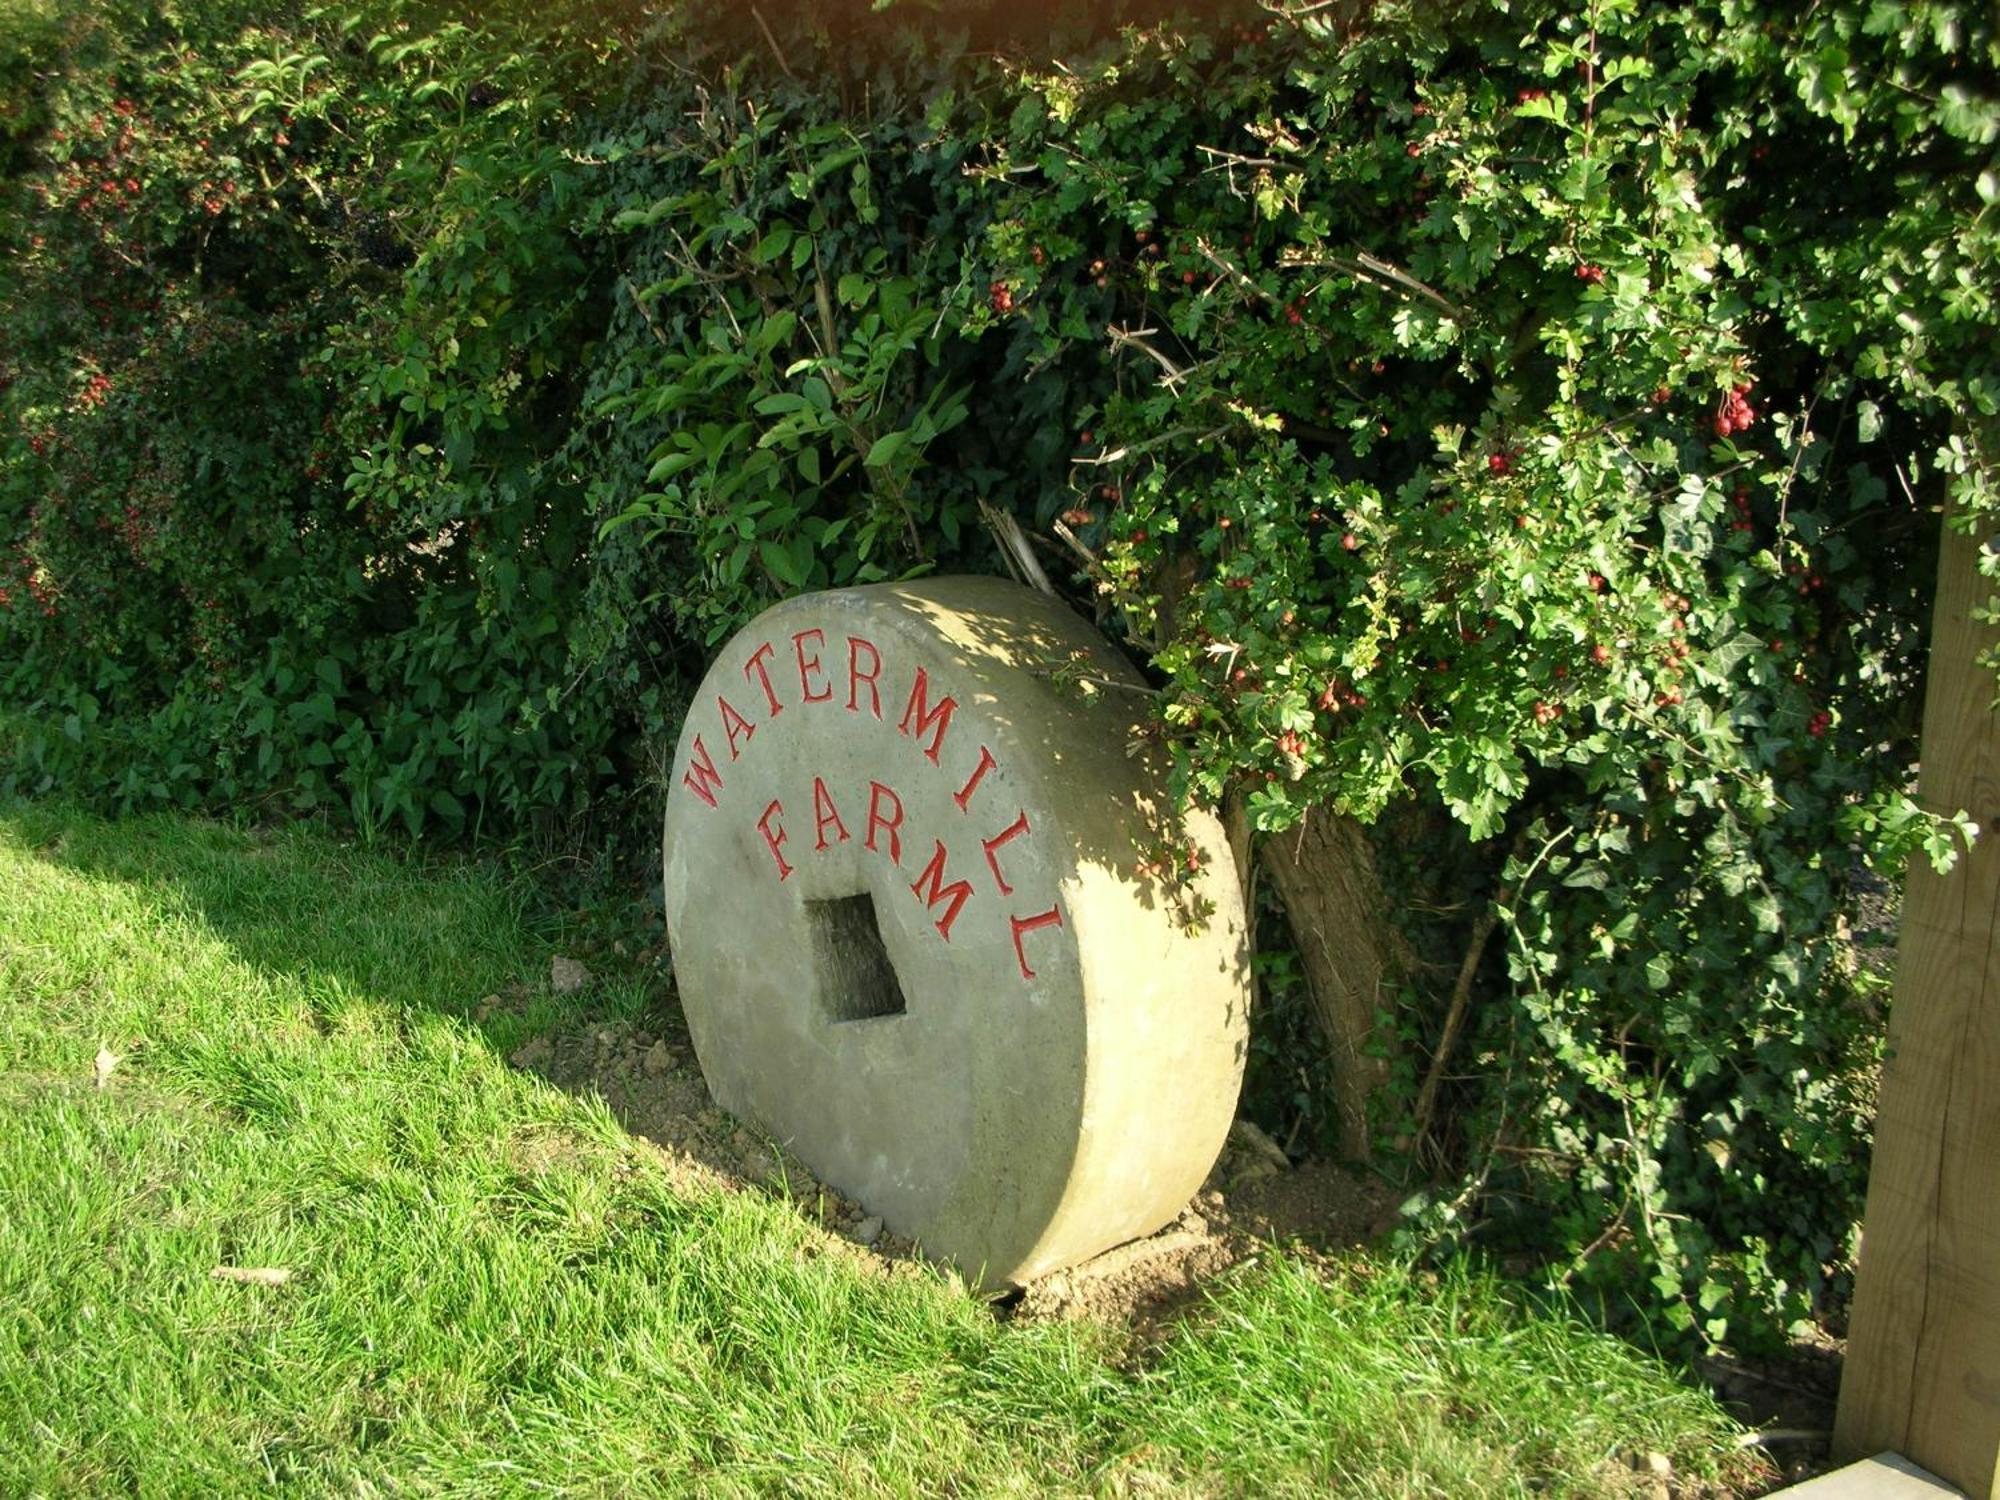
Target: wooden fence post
<point>1923,1354</point>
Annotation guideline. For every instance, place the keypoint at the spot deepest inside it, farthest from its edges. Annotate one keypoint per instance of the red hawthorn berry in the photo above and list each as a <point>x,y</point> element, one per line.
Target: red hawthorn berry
<point>1597,583</point>
<point>1138,536</point>
<point>1187,278</point>
<point>1601,654</point>
<point>1287,618</point>
<point>1661,395</point>
<point>1350,541</point>
<point>1239,676</point>
<point>1562,672</point>
<point>1413,149</point>
<point>1141,236</point>
<point>1521,521</point>
<point>1526,94</point>
<point>1223,523</point>
<point>1293,316</point>
<point>1086,437</point>
<point>1589,273</point>
<point>1103,282</point>
<point>1377,368</point>
<point>1097,268</point>
<point>1037,255</point>
<point>1499,463</point>
<point>1669,698</point>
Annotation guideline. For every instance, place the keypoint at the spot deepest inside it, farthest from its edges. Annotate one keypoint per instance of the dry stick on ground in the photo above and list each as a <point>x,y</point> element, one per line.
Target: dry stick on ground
<point>1454,1022</point>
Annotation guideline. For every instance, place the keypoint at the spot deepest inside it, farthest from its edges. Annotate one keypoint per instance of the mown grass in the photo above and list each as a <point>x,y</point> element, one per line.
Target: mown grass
<point>495,1291</point>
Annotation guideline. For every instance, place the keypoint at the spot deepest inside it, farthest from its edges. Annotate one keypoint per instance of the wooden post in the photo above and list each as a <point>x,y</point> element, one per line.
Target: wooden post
<point>1923,1352</point>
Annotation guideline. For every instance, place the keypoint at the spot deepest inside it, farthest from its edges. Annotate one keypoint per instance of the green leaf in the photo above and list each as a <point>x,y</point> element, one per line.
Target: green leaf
<point>1969,116</point>
<point>882,452</point>
<point>780,564</point>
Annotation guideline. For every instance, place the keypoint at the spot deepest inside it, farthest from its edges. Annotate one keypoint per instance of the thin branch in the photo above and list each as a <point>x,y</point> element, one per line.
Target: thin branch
<point>1075,544</point>
<point>1136,337</point>
<point>777,52</point>
<point>638,302</point>
<point>1454,1021</point>
<point>1381,268</point>
<point>1014,547</point>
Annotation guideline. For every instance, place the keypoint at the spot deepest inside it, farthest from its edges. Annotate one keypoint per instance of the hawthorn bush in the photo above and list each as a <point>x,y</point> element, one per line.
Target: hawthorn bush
<point>1524,429</point>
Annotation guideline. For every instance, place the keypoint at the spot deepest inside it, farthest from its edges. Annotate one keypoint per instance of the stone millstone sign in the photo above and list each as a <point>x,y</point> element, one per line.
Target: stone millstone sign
<point>920,933</point>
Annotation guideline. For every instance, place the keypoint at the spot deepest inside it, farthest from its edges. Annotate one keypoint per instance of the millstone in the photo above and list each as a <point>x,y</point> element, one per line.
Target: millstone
<point>927,929</point>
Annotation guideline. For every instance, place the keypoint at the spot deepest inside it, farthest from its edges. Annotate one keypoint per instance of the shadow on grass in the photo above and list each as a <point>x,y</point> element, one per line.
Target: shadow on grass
<point>424,935</point>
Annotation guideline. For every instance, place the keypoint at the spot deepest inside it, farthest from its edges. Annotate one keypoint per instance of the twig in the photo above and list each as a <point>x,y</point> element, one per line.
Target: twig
<point>1014,547</point>
<point>1368,268</point>
<point>1126,450</point>
<point>632,292</point>
<point>1075,544</point>
<point>1233,272</point>
<point>783,66</point>
<point>1136,337</point>
<point>1454,1020</point>
<point>1610,1233</point>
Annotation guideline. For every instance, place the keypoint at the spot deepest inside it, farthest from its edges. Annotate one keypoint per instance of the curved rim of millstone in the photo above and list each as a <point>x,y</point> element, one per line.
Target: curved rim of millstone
<point>1062,1115</point>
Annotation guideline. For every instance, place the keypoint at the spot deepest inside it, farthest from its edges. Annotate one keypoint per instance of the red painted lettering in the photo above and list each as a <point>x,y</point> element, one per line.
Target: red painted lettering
<point>825,815</point>
<point>855,676</point>
<point>810,665</point>
<point>958,892</point>
<point>1012,831</point>
<point>986,763</point>
<point>733,721</point>
<point>702,778</point>
<point>773,839</point>
<point>931,721</point>
<point>1024,925</point>
<point>756,664</point>
<point>877,794</point>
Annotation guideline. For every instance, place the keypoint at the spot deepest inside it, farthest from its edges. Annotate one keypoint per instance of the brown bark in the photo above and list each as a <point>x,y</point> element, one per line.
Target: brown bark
<point>1325,875</point>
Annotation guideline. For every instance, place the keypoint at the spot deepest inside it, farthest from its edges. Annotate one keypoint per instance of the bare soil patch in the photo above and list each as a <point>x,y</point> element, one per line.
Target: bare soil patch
<point>1254,1197</point>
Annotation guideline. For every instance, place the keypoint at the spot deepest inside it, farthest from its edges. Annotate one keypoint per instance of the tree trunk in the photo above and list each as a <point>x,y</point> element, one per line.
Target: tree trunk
<point>1325,875</point>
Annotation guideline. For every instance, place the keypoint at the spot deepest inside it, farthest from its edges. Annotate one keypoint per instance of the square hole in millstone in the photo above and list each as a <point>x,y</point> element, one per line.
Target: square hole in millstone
<point>857,982</point>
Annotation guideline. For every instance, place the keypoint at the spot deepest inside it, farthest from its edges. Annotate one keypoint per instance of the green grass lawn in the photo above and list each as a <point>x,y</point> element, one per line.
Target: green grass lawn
<point>494,1290</point>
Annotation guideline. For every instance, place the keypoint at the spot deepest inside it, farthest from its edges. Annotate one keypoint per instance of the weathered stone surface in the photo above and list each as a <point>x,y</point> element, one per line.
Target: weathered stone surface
<point>921,930</point>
